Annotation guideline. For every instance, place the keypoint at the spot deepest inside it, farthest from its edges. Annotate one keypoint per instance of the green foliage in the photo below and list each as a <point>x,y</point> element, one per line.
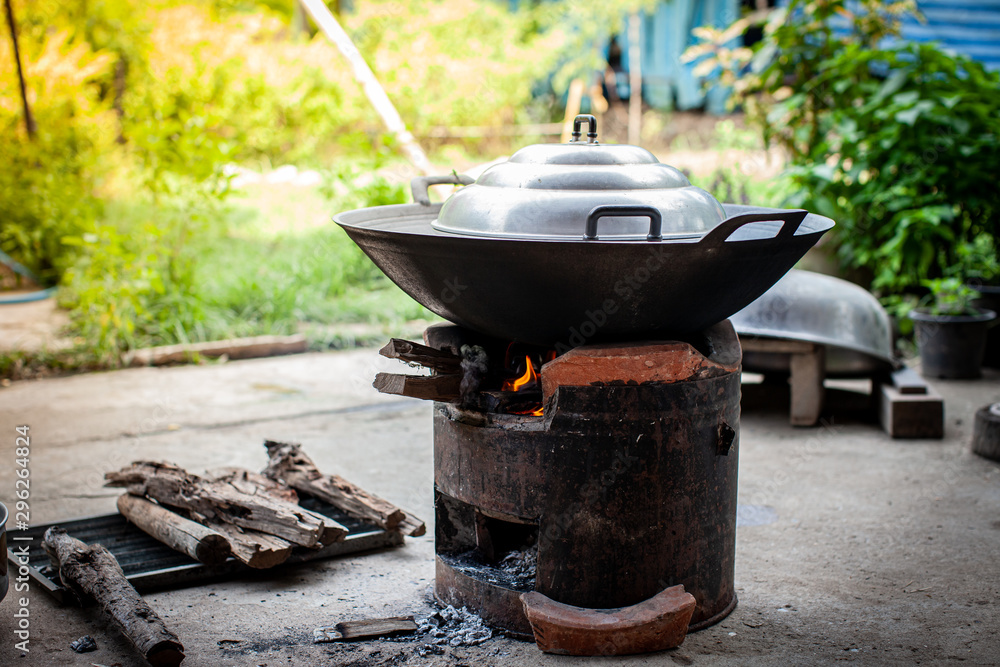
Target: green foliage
<point>951,297</point>
<point>978,261</point>
<point>907,168</point>
<point>134,284</point>
<point>48,184</point>
<point>140,106</point>
<point>898,145</point>
<point>182,269</point>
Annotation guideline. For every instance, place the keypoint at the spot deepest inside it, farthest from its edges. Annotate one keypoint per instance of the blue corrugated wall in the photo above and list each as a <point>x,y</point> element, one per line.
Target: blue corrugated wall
<point>666,81</point>
<point>968,27</point>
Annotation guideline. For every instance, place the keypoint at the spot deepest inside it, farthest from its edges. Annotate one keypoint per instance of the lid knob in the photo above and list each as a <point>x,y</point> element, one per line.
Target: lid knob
<point>591,126</point>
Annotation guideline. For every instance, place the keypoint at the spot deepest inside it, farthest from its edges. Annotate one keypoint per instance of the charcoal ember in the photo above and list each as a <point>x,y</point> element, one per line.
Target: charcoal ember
<point>84,644</point>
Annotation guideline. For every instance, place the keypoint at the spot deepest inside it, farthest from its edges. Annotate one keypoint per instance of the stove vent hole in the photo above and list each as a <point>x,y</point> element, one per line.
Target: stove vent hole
<point>497,539</point>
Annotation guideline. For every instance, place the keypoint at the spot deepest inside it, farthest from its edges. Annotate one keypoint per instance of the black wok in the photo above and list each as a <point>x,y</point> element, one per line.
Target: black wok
<point>554,292</point>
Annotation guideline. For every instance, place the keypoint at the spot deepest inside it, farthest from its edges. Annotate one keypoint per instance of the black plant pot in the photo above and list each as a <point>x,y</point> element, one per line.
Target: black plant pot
<point>989,299</point>
<point>951,346</point>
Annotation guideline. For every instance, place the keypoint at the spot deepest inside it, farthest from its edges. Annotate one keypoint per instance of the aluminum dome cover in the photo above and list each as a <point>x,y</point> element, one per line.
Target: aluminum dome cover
<point>581,190</point>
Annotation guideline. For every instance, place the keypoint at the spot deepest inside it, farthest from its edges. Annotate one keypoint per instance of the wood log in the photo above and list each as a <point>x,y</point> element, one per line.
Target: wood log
<point>365,629</point>
<point>253,548</point>
<point>236,348</point>
<point>444,388</point>
<point>253,483</point>
<point>291,465</point>
<point>223,502</point>
<point>197,541</point>
<point>91,571</point>
<point>986,432</point>
<point>442,361</point>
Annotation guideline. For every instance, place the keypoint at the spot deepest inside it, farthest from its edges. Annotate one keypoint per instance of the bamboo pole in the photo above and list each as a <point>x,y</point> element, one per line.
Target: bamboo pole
<point>328,24</point>
<point>573,99</point>
<point>634,80</point>
<point>29,120</point>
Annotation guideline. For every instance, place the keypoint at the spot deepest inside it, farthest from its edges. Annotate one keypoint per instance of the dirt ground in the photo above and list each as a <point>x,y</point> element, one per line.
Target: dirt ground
<point>855,547</point>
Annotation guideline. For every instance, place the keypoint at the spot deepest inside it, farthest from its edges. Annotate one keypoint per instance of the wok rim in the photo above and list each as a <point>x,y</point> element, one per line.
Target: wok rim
<point>382,218</point>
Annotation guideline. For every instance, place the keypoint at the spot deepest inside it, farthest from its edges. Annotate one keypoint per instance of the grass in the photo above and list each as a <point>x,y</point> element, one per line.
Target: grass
<point>186,269</point>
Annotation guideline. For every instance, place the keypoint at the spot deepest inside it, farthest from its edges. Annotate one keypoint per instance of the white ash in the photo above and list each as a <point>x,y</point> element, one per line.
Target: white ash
<point>452,627</point>
<point>520,565</point>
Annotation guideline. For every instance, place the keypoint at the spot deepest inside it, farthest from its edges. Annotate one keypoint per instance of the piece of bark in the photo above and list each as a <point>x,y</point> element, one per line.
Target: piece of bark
<point>365,629</point>
<point>91,571</point>
<point>221,501</point>
<point>292,466</point>
<point>197,541</point>
<point>444,388</point>
<point>442,361</point>
<point>252,548</point>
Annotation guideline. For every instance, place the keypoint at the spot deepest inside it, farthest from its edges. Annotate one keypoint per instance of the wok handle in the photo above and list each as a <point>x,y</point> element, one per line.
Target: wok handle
<point>420,185</point>
<point>790,219</point>
<point>655,219</point>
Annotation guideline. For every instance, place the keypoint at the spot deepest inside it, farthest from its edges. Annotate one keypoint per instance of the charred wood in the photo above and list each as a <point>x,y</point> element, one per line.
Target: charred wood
<point>223,502</point>
<point>444,388</point>
<point>92,572</point>
<point>290,465</point>
<point>177,532</point>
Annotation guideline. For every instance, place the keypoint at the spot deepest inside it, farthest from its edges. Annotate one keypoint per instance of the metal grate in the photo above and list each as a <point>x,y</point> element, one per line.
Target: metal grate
<point>150,565</point>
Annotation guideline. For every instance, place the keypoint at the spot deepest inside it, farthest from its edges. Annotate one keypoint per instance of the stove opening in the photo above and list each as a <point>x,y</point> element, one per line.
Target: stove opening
<point>522,364</point>
<point>497,539</point>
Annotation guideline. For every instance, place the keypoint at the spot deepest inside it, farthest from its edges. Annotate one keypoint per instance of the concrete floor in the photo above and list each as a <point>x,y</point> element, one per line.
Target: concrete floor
<point>880,551</point>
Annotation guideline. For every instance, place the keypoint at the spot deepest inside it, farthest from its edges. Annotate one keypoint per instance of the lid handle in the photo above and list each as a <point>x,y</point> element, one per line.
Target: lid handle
<point>655,219</point>
<point>591,127</point>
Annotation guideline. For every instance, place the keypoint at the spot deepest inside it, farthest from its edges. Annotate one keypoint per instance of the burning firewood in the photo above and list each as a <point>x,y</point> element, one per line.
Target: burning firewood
<point>443,388</point>
<point>456,377</point>
<point>224,502</point>
<point>442,361</point>
<point>293,467</point>
<point>92,572</point>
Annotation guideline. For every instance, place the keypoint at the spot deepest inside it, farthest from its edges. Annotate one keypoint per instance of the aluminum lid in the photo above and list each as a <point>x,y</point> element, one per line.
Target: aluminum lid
<point>581,190</point>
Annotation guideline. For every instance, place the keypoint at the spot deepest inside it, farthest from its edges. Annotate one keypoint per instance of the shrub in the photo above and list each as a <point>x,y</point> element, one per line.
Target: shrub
<point>899,145</point>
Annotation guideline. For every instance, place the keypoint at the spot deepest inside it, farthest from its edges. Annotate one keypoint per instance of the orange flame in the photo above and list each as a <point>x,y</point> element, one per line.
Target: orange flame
<point>526,379</point>
<point>529,377</point>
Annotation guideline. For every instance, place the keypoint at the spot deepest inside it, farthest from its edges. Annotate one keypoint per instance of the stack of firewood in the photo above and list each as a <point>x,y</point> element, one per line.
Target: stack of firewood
<point>254,517</point>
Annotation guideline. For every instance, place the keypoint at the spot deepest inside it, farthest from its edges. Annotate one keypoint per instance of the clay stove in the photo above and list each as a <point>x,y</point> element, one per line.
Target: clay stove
<point>623,486</point>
